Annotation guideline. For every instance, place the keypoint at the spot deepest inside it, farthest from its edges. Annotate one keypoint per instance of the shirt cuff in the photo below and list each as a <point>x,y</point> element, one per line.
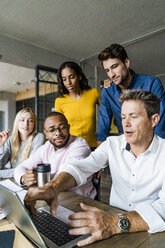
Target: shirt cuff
<point>151,217</point>
<point>17,176</point>
<point>1,150</point>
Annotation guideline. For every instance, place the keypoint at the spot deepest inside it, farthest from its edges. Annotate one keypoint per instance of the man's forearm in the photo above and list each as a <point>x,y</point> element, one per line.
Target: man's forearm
<point>63,181</point>
<point>136,222</point>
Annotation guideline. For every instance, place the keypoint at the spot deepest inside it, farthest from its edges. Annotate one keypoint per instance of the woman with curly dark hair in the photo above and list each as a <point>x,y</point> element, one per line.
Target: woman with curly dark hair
<point>77,101</point>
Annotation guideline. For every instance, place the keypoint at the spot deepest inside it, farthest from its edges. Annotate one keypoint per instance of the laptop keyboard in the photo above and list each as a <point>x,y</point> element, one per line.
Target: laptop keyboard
<point>52,228</point>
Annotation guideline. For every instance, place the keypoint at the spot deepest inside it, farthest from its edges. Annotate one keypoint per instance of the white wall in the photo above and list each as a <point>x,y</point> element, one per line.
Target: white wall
<point>8,105</point>
<point>95,74</point>
<point>23,54</point>
<point>3,115</point>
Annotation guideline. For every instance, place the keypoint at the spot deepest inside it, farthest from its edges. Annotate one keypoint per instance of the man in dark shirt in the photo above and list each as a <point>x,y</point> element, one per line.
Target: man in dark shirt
<point>116,63</point>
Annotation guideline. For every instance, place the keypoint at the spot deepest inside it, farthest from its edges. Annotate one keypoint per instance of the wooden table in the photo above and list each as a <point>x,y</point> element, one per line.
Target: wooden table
<point>126,240</point>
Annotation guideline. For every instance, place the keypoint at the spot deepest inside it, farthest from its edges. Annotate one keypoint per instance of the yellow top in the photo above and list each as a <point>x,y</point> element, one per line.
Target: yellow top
<point>81,114</point>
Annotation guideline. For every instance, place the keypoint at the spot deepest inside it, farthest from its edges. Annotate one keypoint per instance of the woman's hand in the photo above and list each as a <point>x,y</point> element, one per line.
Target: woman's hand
<point>4,137</point>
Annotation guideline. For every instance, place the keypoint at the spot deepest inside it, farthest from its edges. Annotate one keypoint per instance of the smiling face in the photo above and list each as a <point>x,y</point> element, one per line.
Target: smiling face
<point>57,131</point>
<point>25,125</point>
<point>138,129</point>
<point>118,72</point>
<point>70,80</point>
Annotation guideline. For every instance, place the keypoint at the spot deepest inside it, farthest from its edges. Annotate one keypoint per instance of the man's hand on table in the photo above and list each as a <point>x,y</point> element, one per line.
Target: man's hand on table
<point>46,193</point>
<point>94,221</point>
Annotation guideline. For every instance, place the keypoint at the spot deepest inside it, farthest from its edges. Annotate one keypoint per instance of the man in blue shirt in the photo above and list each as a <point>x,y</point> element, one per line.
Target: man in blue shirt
<point>116,63</point>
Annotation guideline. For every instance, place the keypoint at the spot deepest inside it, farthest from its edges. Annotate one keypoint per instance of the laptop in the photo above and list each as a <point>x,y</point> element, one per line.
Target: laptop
<point>39,233</point>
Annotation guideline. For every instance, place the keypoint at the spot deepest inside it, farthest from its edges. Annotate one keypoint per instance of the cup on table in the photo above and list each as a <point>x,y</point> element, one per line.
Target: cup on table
<point>43,174</point>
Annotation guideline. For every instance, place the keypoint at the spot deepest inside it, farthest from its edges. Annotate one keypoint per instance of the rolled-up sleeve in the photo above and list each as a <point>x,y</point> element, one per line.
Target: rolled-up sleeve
<point>82,169</point>
<point>151,217</point>
<point>154,213</point>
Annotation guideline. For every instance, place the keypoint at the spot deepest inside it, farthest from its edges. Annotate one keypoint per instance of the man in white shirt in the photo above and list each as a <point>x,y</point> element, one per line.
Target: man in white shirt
<point>137,165</point>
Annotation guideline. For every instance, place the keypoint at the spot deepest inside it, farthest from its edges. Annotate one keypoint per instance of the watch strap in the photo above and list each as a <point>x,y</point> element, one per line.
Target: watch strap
<point>123,223</point>
<point>23,181</point>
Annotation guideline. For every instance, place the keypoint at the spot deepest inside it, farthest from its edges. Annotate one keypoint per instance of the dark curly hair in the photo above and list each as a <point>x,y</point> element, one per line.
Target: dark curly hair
<point>74,66</point>
<point>113,51</point>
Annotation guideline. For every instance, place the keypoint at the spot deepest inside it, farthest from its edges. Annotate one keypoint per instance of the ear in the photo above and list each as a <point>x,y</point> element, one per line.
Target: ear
<point>45,134</point>
<point>69,127</point>
<point>127,63</point>
<point>155,119</point>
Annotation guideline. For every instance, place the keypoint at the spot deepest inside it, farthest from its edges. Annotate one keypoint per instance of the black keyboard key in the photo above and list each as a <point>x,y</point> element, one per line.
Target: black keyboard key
<point>52,228</point>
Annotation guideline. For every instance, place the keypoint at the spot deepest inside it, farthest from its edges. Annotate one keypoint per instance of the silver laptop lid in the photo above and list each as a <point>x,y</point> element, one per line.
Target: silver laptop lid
<point>18,214</point>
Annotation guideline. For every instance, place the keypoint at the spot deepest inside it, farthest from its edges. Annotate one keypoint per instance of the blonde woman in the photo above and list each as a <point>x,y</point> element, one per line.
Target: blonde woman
<point>23,142</point>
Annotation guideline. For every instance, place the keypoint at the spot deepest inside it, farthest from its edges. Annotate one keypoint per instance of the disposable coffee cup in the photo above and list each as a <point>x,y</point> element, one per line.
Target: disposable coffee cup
<point>43,174</point>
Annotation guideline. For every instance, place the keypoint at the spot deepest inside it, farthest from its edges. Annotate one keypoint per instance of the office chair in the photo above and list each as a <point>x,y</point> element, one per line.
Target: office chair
<point>96,182</point>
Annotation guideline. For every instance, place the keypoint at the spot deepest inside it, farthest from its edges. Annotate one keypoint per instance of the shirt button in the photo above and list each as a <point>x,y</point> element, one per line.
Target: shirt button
<point>129,205</point>
<point>133,175</point>
<point>133,190</point>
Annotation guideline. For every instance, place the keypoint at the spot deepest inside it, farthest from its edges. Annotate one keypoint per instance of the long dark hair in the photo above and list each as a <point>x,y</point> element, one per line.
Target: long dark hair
<point>83,82</point>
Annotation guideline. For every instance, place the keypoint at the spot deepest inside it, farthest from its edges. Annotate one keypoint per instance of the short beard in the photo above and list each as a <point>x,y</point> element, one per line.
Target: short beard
<point>124,80</point>
<point>62,145</point>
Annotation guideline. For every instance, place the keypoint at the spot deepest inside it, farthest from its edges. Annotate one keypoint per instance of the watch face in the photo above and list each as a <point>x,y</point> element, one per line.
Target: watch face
<point>124,224</point>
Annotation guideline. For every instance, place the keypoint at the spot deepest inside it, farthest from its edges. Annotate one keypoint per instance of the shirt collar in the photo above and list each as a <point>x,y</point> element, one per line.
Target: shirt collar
<point>124,144</point>
<point>131,85</point>
<point>133,79</point>
<point>152,148</point>
<point>154,144</point>
<point>128,148</point>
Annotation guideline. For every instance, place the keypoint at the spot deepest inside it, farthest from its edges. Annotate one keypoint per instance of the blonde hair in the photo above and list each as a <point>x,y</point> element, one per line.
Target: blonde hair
<point>16,141</point>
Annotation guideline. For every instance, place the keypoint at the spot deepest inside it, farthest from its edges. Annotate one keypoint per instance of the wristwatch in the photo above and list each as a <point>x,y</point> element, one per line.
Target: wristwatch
<point>123,223</point>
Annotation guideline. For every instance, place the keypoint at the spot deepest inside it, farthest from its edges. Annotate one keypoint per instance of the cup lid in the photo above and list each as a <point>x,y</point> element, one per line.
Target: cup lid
<point>43,167</point>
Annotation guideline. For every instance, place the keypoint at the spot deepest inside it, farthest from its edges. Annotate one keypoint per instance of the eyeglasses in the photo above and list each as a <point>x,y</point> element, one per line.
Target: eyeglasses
<point>61,128</point>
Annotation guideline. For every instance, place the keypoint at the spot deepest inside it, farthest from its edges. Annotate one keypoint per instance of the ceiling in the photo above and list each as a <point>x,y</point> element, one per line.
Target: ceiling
<point>15,78</point>
<point>80,29</point>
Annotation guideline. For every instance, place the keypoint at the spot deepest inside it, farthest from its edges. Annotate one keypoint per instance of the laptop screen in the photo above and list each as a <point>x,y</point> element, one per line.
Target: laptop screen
<point>18,214</point>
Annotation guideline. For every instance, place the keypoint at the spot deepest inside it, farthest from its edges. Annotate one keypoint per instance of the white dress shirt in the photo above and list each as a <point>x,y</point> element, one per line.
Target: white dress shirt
<point>137,183</point>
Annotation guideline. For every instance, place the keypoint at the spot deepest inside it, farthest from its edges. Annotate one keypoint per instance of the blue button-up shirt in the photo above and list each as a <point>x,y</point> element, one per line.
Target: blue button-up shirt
<point>110,105</point>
